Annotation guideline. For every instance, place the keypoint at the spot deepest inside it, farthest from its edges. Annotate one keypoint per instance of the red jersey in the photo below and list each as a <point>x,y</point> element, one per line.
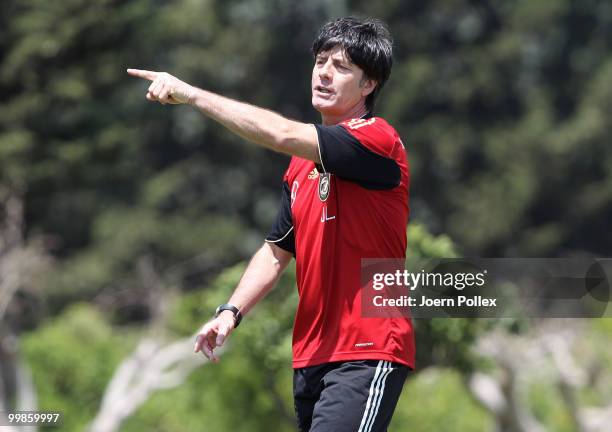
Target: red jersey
<point>353,205</point>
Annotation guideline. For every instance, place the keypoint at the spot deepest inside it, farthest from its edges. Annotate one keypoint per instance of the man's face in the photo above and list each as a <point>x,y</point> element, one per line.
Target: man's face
<point>338,85</point>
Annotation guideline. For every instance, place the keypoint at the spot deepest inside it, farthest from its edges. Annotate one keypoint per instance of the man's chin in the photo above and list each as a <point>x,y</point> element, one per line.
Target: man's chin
<point>324,109</point>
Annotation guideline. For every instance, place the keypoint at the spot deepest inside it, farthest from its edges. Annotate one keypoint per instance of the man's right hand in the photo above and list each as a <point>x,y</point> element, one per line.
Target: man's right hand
<point>213,334</point>
<point>165,88</point>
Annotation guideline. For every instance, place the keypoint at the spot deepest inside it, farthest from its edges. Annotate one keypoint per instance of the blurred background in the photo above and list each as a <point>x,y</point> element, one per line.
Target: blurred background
<point>123,223</point>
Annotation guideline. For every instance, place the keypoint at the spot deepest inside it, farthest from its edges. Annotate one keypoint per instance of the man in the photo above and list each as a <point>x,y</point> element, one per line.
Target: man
<point>345,197</point>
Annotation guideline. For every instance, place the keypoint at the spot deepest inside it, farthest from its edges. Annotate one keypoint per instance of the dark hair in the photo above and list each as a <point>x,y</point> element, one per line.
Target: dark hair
<point>367,43</point>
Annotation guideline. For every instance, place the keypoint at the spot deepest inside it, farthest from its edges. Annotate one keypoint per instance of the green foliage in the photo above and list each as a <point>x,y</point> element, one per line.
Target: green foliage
<point>437,400</point>
<point>548,407</point>
<point>124,235</point>
<point>422,244</point>
<point>72,359</point>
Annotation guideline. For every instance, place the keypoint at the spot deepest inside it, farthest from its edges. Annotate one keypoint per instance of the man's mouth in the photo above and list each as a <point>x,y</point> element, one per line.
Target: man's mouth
<point>324,90</point>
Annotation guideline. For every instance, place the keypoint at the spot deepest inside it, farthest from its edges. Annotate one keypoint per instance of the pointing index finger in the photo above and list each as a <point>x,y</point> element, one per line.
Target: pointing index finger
<point>140,73</point>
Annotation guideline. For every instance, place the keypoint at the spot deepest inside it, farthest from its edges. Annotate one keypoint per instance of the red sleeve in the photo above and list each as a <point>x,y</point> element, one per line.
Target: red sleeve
<point>375,134</point>
<point>362,151</point>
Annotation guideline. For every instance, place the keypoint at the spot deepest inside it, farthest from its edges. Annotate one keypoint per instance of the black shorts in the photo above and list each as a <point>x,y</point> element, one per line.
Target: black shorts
<point>352,396</point>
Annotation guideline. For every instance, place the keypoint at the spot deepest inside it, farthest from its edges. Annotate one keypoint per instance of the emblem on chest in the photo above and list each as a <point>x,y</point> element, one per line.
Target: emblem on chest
<point>324,186</point>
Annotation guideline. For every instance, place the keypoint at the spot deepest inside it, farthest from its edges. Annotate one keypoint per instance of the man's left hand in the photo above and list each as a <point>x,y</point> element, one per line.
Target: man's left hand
<point>165,88</point>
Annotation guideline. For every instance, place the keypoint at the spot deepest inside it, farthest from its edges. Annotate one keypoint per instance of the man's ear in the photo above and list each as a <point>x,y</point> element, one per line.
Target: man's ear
<point>368,86</point>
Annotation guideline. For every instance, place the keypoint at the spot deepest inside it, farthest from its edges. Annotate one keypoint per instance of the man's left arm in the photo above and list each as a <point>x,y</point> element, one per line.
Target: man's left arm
<point>258,125</point>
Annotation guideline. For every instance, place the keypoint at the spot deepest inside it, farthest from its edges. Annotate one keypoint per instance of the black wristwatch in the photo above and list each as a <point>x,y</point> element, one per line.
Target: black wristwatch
<point>233,309</point>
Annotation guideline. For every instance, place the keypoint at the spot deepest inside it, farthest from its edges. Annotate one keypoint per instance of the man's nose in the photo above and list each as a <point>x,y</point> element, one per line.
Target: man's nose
<point>325,71</point>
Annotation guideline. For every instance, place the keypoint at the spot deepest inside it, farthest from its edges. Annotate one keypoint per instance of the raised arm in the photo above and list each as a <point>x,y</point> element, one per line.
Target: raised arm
<point>258,279</point>
<point>260,126</point>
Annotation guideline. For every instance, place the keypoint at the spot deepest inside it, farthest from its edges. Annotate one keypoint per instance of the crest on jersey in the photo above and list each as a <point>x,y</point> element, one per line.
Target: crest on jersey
<point>324,184</point>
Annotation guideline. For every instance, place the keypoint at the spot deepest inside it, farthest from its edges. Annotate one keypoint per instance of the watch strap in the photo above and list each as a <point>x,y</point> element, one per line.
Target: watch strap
<point>231,308</point>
